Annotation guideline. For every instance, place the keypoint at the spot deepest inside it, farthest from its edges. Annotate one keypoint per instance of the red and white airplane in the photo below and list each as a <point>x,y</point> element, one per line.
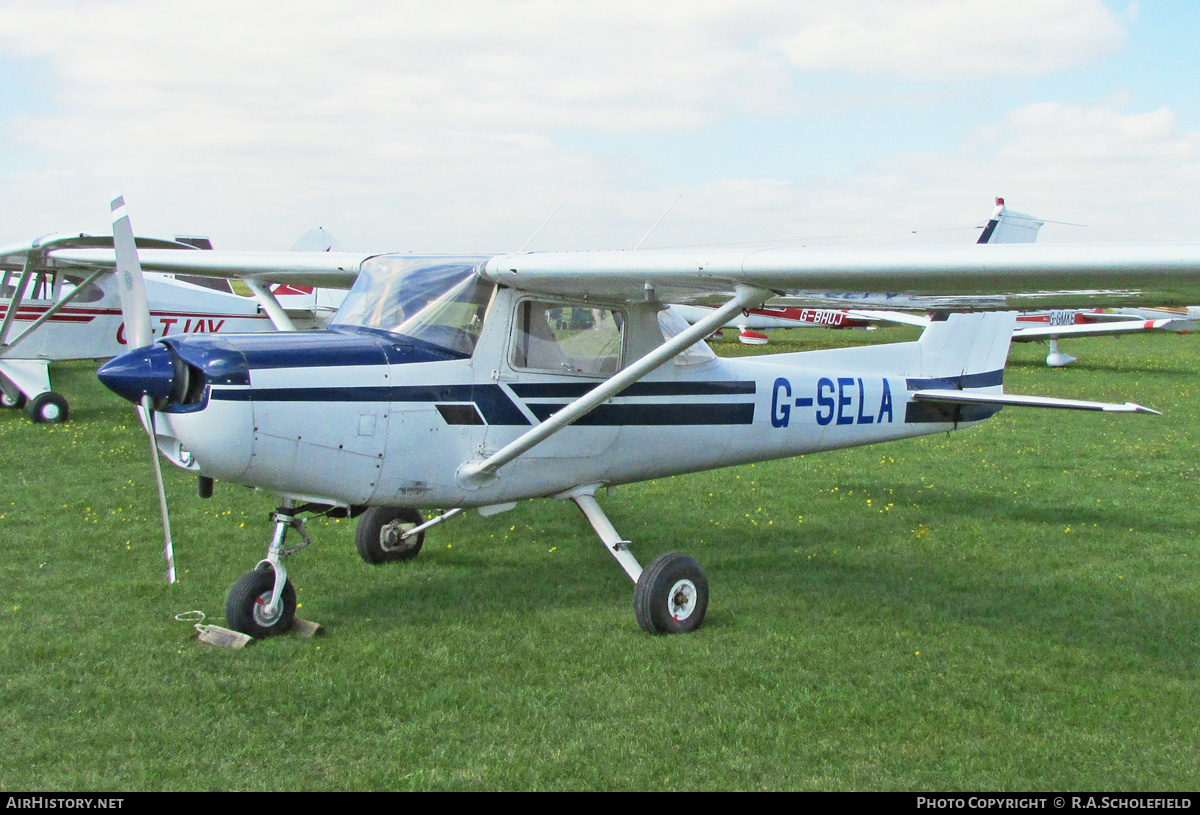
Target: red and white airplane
<point>49,314</point>
<point>752,325</point>
<point>1051,326</point>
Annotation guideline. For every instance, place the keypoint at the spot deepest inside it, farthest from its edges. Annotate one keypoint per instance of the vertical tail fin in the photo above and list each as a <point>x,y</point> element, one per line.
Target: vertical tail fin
<point>969,349</point>
<point>1006,226</point>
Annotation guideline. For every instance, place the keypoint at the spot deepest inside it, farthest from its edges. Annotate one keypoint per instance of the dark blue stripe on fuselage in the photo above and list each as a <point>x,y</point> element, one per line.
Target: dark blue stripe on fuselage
<point>492,401</point>
<point>964,382</point>
<point>498,409</point>
<point>678,414</point>
<point>572,390</point>
<point>342,347</point>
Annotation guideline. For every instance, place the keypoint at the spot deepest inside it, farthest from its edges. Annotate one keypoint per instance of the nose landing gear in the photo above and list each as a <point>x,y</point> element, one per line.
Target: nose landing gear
<point>263,602</point>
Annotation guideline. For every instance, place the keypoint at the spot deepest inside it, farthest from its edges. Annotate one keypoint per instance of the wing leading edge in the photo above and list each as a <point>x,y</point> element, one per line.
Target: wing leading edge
<point>953,278</point>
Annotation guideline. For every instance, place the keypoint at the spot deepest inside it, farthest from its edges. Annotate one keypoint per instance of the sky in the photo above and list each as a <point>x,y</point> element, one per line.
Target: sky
<point>464,125</point>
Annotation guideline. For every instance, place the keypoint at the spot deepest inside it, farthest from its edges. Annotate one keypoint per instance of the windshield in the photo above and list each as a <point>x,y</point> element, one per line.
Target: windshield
<point>440,301</point>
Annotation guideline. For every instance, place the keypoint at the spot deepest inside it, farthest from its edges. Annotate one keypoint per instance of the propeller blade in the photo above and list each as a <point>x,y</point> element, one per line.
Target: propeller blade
<point>147,411</point>
<point>136,312</point>
<point>134,307</point>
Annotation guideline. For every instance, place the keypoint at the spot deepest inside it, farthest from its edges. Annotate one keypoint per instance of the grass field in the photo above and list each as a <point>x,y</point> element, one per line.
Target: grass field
<point>1013,607</point>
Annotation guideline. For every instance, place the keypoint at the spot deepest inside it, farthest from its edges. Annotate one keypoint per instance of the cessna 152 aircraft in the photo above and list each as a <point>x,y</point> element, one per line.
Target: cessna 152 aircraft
<point>459,382</point>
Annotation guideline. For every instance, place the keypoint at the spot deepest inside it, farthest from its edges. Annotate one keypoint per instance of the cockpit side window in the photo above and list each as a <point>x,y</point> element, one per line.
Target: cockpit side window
<point>568,339</point>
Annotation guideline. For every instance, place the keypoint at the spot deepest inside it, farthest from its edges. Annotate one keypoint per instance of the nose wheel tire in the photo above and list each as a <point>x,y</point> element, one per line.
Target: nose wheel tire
<point>377,535</point>
<point>671,596</point>
<point>245,609</point>
<point>48,408</point>
<point>14,401</point>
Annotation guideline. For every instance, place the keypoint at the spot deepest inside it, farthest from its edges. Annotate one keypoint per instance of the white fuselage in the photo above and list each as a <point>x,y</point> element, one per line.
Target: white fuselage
<point>357,419</point>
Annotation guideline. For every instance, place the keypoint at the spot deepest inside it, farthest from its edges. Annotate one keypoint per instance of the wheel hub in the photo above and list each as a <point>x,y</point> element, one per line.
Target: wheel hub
<point>261,603</point>
<point>682,600</point>
<point>391,537</point>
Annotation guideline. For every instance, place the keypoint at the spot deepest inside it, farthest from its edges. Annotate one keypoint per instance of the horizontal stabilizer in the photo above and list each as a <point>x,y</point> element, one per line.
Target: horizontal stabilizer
<point>1017,400</point>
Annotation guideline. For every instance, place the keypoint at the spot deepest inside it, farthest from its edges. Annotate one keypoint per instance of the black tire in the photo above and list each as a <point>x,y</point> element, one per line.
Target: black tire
<point>48,408</point>
<point>243,608</point>
<point>10,401</point>
<point>377,532</point>
<point>671,595</point>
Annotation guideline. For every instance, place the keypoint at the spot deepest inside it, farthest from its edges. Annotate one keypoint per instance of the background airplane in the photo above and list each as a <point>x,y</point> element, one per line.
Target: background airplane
<point>1051,326</point>
<point>1003,227</point>
<point>49,314</point>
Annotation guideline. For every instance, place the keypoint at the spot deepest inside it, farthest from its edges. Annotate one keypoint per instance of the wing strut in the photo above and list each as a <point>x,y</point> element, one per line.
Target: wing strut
<point>18,295</point>
<point>278,316</point>
<point>473,474</point>
<point>50,312</point>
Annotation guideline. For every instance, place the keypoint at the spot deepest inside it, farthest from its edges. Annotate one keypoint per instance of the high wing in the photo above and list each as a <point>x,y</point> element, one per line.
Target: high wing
<point>957,278</point>
<point>331,269</point>
<point>954,278</point>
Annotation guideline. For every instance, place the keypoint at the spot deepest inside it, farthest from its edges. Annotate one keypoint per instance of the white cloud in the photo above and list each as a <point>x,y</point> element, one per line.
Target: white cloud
<point>433,126</point>
<point>951,40</point>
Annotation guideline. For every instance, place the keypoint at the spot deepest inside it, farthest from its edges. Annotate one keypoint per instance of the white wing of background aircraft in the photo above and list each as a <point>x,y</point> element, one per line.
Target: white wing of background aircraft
<point>1004,226</point>
<point>1051,325</point>
<point>50,313</point>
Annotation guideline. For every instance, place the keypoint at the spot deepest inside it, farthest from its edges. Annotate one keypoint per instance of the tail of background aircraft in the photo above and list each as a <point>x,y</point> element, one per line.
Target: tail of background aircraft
<point>1006,226</point>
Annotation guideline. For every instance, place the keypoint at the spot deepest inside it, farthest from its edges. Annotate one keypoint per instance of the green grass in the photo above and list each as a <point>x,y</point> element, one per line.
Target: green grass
<point>1013,607</point>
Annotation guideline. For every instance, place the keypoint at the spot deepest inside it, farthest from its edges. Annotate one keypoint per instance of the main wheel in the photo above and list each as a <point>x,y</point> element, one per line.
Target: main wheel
<point>48,408</point>
<point>377,535</point>
<point>13,401</point>
<point>671,595</point>
<point>245,609</point>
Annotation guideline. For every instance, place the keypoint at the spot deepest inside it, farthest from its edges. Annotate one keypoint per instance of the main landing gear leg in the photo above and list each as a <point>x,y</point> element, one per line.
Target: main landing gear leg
<point>1056,358</point>
<point>670,595</point>
<point>263,602</point>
